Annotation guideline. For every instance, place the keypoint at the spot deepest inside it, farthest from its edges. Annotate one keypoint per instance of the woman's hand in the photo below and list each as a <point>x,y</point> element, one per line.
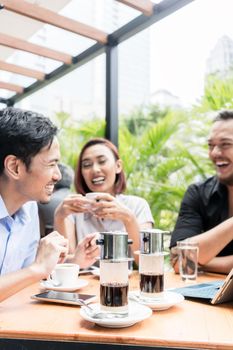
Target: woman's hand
<point>87,251</point>
<point>74,203</point>
<point>108,207</point>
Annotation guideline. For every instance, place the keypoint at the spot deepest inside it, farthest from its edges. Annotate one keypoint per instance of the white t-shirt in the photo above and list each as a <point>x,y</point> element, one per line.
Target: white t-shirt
<point>86,223</point>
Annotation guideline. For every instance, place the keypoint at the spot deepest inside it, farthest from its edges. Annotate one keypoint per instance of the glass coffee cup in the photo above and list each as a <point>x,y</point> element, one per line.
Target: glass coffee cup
<point>151,264</point>
<point>151,274</point>
<point>114,274</point>
<point>114,286</point>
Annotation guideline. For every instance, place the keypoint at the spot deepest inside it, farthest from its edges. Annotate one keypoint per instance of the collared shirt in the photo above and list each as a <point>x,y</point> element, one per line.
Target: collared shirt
<point>87,223</point>
<point>204,206</point>
<point>19,237</point>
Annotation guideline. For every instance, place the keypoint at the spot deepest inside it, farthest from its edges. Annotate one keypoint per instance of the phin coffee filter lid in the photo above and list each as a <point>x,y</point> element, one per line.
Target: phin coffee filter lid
<point>151,241</point>
<point>113,245</point>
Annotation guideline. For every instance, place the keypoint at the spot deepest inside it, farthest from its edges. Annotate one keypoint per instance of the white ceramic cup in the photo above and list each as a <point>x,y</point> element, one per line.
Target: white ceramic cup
<point>65,275</point>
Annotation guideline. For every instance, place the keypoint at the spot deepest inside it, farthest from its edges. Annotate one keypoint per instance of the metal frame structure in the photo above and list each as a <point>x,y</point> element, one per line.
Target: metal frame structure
<point>108,44</point>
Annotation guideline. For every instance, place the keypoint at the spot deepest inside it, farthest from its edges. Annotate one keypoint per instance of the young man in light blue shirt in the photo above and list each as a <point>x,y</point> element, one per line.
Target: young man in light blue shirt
<point>29,155</point>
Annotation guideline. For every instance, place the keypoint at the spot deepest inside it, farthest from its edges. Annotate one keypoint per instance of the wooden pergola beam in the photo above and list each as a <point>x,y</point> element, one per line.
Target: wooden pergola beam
<point>19,44</point>
<point>13,68</point>
<point>12,87</point>
<point>144,6</point>
<point>49,17</point>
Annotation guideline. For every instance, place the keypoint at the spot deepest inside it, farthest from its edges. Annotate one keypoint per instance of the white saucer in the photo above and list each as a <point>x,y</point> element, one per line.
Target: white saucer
<point>89,269</point>
<point>167,300</point>
<point>80,284</point>
<point>137,313</point>
<point>96,272</point>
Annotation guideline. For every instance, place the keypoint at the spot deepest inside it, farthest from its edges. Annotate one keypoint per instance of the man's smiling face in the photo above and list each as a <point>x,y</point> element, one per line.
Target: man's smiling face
<point>220,143</point>
<point>37,182</point>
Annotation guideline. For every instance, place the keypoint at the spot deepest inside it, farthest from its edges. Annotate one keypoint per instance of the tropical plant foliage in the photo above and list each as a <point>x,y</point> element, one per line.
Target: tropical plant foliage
<point>218,94</point>
<point>74,134</point>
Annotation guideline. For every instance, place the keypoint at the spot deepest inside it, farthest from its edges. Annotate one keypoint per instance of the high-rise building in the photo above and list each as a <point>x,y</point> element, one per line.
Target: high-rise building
<point>220,61</point>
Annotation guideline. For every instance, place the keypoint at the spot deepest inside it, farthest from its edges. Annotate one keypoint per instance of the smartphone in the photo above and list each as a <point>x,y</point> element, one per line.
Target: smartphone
<point>64,297</point>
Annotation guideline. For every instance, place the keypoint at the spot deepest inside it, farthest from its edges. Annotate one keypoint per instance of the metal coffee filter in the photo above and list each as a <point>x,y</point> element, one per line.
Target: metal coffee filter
<point>151,241</point>
<point>114,245</point>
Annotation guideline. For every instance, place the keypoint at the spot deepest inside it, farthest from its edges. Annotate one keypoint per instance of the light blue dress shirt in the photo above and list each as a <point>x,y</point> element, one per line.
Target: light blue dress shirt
<point>19,237</point>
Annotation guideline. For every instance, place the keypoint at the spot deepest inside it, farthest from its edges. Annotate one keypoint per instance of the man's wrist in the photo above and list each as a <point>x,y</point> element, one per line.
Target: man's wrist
<point>37,271</point>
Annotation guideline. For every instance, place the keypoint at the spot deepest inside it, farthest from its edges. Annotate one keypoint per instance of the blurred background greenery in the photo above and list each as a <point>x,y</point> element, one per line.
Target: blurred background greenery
<point>163,150</point>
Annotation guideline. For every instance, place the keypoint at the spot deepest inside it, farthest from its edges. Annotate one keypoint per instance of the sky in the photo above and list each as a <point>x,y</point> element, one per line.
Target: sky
<point>181,44</point>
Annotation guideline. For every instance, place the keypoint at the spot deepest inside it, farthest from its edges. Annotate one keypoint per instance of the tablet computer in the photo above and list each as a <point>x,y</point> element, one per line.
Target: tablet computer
<point>215,292</point>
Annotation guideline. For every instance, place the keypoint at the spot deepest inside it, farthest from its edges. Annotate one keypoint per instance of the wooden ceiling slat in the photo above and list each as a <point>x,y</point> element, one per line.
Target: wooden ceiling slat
<point>11,87</point>
<point>144,6</point>
<point>120,35</point>
<point>47,16</point>
<point>19,44</point>
<point>13,68</point>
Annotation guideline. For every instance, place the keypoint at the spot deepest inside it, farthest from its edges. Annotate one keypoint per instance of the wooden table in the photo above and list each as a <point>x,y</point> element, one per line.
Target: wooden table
<point>27,324</point>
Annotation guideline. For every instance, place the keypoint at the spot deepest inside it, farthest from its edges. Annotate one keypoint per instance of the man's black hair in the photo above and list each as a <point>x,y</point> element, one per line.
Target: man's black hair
<point>224,115</point>
<point>23,134</point>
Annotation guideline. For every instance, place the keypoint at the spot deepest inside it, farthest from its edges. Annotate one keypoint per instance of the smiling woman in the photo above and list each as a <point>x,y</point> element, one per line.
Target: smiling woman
<point>100,170</point>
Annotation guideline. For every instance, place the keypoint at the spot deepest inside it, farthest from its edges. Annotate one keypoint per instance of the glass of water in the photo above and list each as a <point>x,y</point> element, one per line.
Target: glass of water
<point>188,259</point>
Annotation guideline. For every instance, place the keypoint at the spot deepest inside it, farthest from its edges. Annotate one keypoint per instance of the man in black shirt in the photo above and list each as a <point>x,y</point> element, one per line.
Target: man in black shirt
<point>207,208</point>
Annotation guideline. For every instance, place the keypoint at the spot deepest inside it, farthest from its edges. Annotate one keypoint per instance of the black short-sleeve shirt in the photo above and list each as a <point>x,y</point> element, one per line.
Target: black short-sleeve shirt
<point>204,206</point>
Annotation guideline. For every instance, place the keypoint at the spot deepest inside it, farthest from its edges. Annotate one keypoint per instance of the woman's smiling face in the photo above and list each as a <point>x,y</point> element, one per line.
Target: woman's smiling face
<point>99,168</point>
